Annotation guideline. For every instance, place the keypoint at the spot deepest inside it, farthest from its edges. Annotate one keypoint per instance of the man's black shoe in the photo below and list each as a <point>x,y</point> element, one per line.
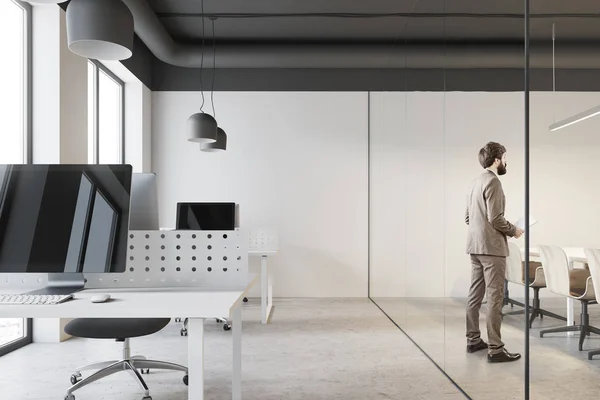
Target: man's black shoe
<point>472,348</point>
<point>505,356</point>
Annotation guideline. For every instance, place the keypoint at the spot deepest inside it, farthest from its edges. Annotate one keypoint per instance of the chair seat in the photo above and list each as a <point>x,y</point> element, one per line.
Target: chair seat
<point>115,328</point>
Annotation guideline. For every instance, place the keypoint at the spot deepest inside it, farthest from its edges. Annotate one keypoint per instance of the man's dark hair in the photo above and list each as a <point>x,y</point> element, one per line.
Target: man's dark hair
<point>489,153</point>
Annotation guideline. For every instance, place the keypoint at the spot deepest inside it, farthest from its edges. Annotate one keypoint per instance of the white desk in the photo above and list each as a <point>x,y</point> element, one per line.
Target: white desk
<point>266,284</point>
<point>198,304</point>
<point>574,255</point>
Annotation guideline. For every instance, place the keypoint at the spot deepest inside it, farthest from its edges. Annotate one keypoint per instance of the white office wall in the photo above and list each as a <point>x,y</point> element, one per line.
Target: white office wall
<point>423,157</point>
<point>295,161</point>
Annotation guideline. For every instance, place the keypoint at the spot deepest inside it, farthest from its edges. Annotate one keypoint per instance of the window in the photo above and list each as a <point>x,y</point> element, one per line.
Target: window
<point>15,25</point>
<point>105,116</point>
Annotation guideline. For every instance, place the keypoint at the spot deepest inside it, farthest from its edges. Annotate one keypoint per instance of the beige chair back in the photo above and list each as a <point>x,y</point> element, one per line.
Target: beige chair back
<point>593,259</point>
<point>514,264</point>
<point>556,269</point>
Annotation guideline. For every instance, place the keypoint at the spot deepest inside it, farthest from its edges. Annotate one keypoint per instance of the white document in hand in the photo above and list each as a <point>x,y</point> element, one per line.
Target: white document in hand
<point>521,222</point>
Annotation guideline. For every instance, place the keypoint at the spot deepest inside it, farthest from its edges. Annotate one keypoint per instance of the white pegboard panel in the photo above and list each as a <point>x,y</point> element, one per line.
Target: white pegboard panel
<point>167,259</point>
<point>263,240</point>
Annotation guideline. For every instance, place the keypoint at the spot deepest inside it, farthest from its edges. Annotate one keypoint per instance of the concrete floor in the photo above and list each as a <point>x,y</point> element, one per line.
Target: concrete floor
<point>313,349</point>
<point>558,369</point>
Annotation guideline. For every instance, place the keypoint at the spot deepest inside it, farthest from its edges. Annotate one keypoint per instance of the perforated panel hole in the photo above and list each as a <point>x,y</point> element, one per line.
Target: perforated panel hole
<point>193,258</point>
<point>163,258</point>
<point>225,236</point>
<point>224,269</point>
<point>209,236</point>
<point>178,258</point>
<point>147,258</point>
<point>209,247</point>
<point>178,269</point>
<point>194,236</point>
<point>178,236</point>
<point>147,247</point>
<point>194,269</point>
<point>162,236</point>
<point>209,269</point>
<point>131,247</point>
<point>178,247</point>
<point>162,247</point>
<point>225,258</point>
<point>130,236</point>
<point>147,236</point>
<point>209,258</point>
<point>131,258</point>
<point>131,269</point>
<point>162,269</point>
<point>194,247</point>
<point>239,258</point>
<point>147,269</point>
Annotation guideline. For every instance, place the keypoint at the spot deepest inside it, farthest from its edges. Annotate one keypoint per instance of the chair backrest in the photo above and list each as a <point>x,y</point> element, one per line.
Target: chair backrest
<point>593,258</point>
<point>514,264</point>
<point>556,269</point>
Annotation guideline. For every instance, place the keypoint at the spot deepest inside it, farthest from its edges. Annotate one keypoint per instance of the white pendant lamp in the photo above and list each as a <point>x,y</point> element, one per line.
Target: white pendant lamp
<point>100,30</point>
<point>219,145</point>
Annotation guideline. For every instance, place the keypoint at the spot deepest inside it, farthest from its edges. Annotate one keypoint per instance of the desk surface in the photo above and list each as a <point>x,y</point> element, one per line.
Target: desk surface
<point>201,302</point>
<point>573,253</point>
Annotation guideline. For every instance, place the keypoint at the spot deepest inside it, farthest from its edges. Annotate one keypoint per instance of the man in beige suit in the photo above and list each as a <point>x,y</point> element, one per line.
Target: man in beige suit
<point>488,247</point>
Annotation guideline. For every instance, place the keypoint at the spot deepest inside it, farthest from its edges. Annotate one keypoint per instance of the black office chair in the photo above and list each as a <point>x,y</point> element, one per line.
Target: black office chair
<point>121,330</point>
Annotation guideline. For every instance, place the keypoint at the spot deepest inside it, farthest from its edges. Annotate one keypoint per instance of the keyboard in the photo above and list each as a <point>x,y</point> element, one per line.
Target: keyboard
<point>33,299</point>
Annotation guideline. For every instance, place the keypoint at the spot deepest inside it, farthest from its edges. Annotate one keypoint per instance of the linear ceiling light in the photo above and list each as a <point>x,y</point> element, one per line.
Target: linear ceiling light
<point>582,116</point>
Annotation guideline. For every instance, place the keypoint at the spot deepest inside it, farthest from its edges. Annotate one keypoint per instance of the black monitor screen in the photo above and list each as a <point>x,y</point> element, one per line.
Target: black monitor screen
<point>206,216</point>
<point>64,218</point>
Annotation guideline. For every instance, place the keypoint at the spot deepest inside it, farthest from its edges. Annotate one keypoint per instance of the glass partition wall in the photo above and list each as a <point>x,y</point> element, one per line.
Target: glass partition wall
<point>425,142</point>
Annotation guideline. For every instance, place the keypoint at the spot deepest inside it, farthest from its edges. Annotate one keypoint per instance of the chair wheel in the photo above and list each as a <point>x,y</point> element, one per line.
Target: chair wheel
<point>184,332</point>
<point>147,371</point>
<point>245,299</point>
<point>185,380</point>
<point>70,397</point>
<point>226,327</point>
<point>75,378</point>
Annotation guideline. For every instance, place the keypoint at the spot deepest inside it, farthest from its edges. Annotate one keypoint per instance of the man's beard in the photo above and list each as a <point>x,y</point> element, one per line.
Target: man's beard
<point>502,169</point>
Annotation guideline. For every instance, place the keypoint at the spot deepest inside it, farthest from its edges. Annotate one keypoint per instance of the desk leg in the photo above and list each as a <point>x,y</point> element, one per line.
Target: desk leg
<point>196,359</point>
<point>236,327</point>
<point>570,315</point>
<point>266,291</point>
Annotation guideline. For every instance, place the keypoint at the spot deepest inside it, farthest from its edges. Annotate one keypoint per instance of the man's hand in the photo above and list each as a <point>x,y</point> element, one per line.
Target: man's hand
<point>519,232</point>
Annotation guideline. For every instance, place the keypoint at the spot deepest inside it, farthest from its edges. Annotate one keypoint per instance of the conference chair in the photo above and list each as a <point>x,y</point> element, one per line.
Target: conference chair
<point>121,330</point>
<point>515,273</point>
<point>574,283</point>
<point>593,258</point>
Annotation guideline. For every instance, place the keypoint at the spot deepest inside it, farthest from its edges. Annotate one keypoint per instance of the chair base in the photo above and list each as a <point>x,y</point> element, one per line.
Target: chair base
<point>536,310</point>
<point>584,328</point>
<point>128,363</point>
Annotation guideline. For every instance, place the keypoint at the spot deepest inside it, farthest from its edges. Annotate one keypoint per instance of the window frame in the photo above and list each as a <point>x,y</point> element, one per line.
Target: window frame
<point>97,67</point>
<point>27,142</point>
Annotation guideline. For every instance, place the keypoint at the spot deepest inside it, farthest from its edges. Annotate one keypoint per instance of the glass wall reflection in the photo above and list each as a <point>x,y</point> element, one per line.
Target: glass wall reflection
<point>424,160</point>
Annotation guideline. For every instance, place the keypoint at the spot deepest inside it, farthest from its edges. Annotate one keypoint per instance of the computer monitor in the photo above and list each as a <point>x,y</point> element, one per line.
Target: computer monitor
<point>64,220</point>
<point>143,214</point>
<point>206,216</point>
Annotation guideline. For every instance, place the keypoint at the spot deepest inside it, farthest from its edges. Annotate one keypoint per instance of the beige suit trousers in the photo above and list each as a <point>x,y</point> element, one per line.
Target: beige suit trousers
<point>488,272</point>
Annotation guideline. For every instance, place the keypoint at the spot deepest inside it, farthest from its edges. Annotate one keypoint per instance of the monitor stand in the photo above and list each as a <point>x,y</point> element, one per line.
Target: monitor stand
<point>61,284</point>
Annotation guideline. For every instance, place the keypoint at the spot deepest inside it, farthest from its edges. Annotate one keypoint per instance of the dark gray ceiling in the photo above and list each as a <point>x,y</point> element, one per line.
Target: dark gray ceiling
<point>274,20</point>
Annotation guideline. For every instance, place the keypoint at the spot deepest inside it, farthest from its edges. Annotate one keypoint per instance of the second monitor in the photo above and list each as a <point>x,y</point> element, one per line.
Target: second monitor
<point>206,216</point>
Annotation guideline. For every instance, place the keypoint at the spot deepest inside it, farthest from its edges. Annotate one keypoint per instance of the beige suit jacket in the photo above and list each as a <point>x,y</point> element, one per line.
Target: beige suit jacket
<point>488,229</point>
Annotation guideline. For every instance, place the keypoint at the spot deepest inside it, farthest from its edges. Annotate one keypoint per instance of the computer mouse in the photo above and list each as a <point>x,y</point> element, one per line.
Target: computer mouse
<point>100,298</point>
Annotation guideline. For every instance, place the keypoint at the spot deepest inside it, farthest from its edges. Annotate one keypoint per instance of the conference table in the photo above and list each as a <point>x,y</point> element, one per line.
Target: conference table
<point>197,303</point>
<point>575,255</point>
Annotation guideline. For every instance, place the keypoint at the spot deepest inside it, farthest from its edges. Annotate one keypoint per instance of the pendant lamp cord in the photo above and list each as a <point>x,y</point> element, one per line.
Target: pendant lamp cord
<point>214,71</point>
<point>553,71</point>
<point>202,55</point>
